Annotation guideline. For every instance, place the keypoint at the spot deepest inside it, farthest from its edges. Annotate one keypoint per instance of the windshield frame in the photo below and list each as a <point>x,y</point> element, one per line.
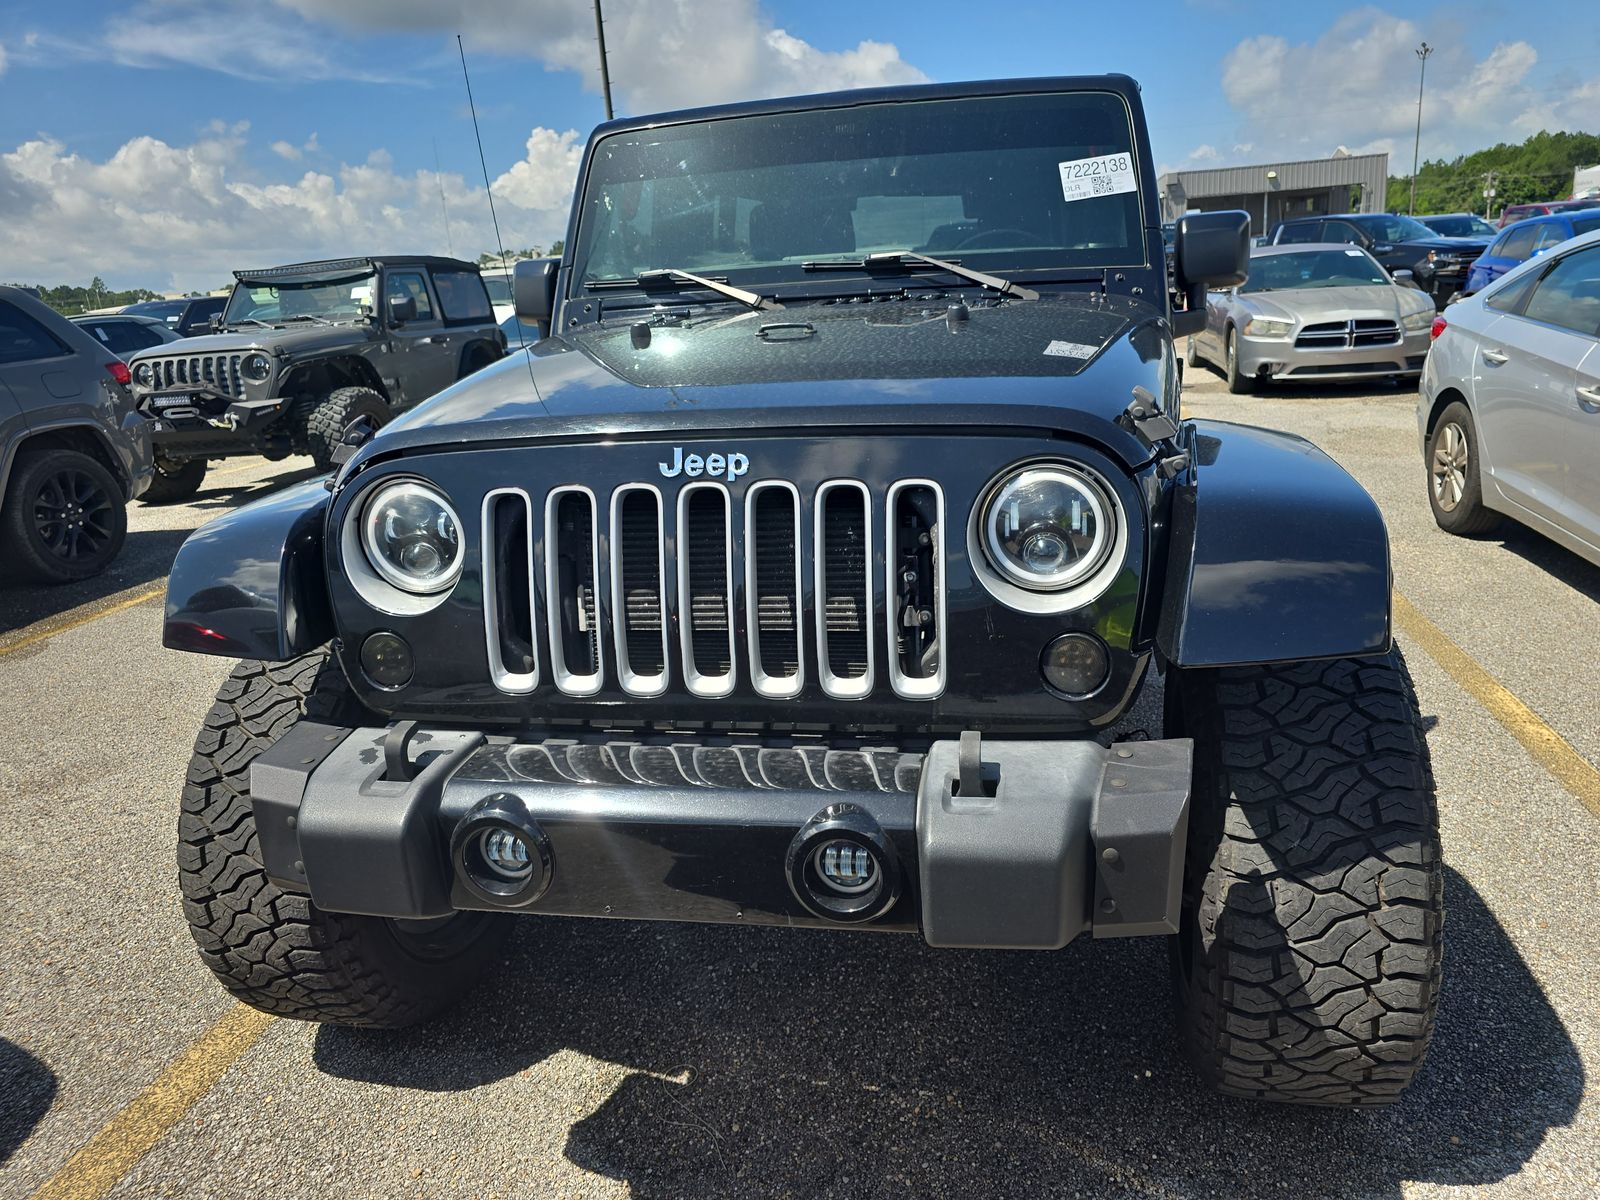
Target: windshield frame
<point>244,285</point>
<point>617,292</point>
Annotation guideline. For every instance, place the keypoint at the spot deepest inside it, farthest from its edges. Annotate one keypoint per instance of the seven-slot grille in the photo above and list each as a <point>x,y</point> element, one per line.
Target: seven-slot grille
<point>693,555</point>
<point>220,372</point>
<point>1347,335</point>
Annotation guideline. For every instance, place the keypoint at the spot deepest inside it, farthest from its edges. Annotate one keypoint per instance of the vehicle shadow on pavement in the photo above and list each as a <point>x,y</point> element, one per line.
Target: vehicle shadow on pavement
<point>813,1063</point>
<point>1550,557</point>
<point>28,1088</point>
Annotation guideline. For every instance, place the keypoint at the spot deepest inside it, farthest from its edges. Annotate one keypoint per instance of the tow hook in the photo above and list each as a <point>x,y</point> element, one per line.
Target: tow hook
<point>228,420</point>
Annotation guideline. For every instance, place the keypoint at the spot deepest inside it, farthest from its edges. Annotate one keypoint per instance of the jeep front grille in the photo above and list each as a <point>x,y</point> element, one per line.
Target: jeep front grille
<point>619,571</point>
<point>220,372</point>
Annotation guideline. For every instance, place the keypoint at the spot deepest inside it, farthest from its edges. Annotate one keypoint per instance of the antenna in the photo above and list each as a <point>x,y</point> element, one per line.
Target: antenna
<point>605,70</point>
<point>489,191</point>
<point>443,207</point>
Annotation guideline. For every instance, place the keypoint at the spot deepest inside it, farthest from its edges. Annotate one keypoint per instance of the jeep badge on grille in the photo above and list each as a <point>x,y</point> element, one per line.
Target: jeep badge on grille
<point>730,466</point>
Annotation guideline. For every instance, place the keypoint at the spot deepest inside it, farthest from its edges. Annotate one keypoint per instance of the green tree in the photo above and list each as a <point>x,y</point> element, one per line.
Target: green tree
<point>1539,168</point>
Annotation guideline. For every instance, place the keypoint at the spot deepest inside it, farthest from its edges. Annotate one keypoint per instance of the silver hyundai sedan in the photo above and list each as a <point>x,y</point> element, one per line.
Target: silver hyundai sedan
<point>1315,313</point>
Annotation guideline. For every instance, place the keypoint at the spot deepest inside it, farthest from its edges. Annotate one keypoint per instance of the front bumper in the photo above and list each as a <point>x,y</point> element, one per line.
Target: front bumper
<point>209,420</point>
<point>1277,359</point>
<point>983,844</point>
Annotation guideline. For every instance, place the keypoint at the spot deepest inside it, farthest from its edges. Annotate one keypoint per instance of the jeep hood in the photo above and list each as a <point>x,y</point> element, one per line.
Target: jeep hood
<point>1067,361</point>
<point>295,339</point>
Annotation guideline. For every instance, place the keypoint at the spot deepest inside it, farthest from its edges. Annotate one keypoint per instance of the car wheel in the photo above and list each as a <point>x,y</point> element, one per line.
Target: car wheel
<point>1455,490</point>
<point>65,517</point>
<point>1191,352</point>
<point>175,479</point>
<point>1237,384</point>
<point>338,415</point>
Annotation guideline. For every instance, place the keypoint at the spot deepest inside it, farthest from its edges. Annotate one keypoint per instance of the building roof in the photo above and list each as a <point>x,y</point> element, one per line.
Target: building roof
<point>1371,169</point>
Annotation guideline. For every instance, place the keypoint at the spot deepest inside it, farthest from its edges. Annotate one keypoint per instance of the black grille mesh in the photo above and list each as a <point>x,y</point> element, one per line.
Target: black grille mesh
<point>771,539</point>
<point>580,640</point>
<point>705,543</point>
<point>847,617</point>
<point>639,571</point>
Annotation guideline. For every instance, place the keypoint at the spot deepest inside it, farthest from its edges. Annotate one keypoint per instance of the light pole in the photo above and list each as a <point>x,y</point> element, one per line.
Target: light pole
<point>1422,53</point>
<point>605,69</point>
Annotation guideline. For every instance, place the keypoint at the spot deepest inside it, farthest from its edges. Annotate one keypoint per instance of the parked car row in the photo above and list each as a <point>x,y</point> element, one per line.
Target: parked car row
<point>1437,263</point>
<point>1528,239</point>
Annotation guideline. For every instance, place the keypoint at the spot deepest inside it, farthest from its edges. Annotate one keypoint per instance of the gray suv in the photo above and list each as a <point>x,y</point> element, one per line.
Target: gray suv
<point>73,451</point>
<point>305,354</point>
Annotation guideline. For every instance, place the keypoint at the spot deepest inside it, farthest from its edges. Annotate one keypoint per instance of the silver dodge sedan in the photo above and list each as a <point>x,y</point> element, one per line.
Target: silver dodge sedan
<point>1315,312</point>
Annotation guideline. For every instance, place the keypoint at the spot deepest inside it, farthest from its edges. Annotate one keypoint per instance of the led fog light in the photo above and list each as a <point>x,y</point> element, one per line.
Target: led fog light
<point>505,853</point>
<point>1076,664</point>
<point>846,867</point>
<point>386,659</point>
<point>842,866</point>
<point>501,855</point>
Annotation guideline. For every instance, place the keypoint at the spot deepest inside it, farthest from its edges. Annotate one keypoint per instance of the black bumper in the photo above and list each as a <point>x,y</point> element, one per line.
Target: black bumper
<point>998,844</point>
<point>215,425</point>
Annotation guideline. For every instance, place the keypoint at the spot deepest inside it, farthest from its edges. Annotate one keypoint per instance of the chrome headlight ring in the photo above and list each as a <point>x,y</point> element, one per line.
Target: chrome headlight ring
<point>256,367</point>
<point>411,536</point>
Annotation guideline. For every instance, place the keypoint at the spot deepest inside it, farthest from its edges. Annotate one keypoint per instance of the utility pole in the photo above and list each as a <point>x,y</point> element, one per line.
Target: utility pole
<point>605,70</point>
<point>1488,193</point>
<point>1422,53</point>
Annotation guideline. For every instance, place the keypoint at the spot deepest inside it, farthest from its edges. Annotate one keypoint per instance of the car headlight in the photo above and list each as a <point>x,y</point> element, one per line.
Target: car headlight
<point>144,374</point>
<point>412,537</point>
<point>256,367</point>
<point>1418,321</point>
<point>1268,327</point>
<point>1048,527</point>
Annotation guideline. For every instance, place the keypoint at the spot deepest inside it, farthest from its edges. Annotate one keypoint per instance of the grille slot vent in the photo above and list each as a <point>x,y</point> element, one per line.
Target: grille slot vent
<point>217,371</point>
<point>638,589</point>
<point>507,590</point>
<point>572,574</point>
<point>705,588</point>
<point>773,600</point>
<point>914,588</point>
<point>843,556</point>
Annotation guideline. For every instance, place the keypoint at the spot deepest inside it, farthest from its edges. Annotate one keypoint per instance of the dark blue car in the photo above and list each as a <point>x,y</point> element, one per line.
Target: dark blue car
<point>1519,242</point>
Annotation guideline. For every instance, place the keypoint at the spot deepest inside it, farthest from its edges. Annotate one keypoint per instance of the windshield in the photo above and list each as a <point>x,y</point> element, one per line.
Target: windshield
<point>1004,182</point>
<point>1313,269</point>
<point>165,310</point>
<point>1463,226</point>
<point>329,298</point>
<point>1387,227</point>
<point>499,288</point>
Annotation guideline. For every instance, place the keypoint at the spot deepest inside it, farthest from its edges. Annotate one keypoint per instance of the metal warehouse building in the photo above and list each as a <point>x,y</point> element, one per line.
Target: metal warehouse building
<point>1273,192</point>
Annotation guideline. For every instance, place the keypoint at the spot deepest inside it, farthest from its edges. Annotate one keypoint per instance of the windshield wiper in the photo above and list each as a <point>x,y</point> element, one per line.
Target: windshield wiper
<point>672,277</point>
<point>307,317</point>
<point>899,258</point>
<point>246,321</point>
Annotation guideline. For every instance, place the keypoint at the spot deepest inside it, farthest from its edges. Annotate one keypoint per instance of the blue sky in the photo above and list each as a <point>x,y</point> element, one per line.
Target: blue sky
<point>161,142</point>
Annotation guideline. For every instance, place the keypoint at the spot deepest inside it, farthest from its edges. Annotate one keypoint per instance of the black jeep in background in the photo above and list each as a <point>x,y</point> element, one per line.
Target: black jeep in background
<point>1437,263</point>
<point>186,317</point>
<point>802,576</point>
<point>305,353</point>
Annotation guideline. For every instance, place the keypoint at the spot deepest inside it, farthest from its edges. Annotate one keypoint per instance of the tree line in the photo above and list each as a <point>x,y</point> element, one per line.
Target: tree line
<point>70,299</point>
<point>490,258</point>
<point>1537,169</point>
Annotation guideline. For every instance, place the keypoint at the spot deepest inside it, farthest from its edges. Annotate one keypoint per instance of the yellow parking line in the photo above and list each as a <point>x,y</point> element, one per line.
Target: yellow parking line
<point>108,1156</point>
<point>239,470</point>
<point>1548,748</point>
<point>51,631</point>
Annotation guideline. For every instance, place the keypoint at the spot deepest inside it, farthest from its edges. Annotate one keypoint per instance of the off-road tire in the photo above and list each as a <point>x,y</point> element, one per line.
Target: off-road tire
<point>174,480</point>
<point>1238,384</point>
<point>1470,515</point>
<point>332,417</point>
<point>274,949</point>
<point>1308,962</point>
<point>40,482</point>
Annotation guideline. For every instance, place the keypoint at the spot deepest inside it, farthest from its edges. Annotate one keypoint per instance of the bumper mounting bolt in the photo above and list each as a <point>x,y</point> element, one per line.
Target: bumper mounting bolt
<point>1110,855</point>
<point>1108,905</point>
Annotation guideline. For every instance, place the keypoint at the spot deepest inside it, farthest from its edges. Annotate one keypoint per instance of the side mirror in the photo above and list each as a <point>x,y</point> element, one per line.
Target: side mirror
<point>533,291</point>
<point>1405,277</point>
<point>215,323</point>
<point>402,309</point>
<point>1210,253</point>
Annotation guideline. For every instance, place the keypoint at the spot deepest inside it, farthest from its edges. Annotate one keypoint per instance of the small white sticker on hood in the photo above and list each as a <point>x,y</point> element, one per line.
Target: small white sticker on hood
<point>1070,350</point>
<point>1108,175</point>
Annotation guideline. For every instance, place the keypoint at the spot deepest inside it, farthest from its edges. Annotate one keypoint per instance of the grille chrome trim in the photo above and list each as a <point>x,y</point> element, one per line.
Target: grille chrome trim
<point>708,686</point>
<point>514,682</point>
<point>632,682</point>
<point>904,686</point>
<point>836,686</point>
<point>773,687</point>
<point>569,681</point>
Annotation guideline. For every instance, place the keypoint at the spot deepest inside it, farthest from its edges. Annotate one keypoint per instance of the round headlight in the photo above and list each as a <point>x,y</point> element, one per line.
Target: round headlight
<point>256,367</point>
<point>412,537</point>
<point>1048,527</point>
<point>144,374</point>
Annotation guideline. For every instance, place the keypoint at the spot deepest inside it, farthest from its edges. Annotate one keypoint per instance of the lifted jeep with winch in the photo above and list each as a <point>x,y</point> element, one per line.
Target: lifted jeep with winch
<point>305,354</point>
<point>803,576</point>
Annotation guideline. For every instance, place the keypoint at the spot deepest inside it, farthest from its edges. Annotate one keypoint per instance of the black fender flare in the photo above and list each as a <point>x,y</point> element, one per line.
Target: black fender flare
<point>252,583</point>
<point>488,346</point>
<point>1275,554</point>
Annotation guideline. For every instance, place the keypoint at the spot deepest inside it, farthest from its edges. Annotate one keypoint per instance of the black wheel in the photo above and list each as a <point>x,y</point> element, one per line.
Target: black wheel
<point>1237,384</point>
<point>1191,352</point>
<point>1308,962</point>
<point>175,479</point>
<point>1455,489</point>
<point>273,949</point>
<point>64,518</point>
<point>336,415</point>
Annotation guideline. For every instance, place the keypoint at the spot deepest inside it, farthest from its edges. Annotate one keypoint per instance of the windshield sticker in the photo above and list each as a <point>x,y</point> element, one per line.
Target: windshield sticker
<point>1356,253</point>
<point>1108,175</point>
<point>1070,350</point>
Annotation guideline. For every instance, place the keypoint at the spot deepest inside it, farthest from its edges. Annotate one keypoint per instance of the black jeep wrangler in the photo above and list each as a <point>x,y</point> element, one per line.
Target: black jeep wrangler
<point>303,354</point>
<point>802,576</point>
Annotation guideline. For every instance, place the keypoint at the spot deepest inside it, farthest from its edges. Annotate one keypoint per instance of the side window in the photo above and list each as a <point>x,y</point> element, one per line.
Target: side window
<point>22,339</point>
<point>1569,294</point>
<point>123,337</point>
<point>99,332</point>
<point>1498,249</point>
<point>398,284</point>
<point>1518,244</point>
<point>1552,234</point>
<point>1510,297</point>
<point>462,296</point>
<point>1305,231</point>
<point>142,337</point>
<point>1342,231</point>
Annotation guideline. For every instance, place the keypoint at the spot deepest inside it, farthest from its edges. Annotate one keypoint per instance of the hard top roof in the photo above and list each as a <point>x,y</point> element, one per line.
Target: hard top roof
<point>334,266</point>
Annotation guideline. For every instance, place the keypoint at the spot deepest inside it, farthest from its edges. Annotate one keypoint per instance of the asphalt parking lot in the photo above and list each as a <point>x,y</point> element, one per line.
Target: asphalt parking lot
<point>618,1059</point>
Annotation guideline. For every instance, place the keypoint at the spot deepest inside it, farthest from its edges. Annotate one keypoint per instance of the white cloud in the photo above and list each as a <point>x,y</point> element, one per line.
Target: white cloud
<point>2,58</point>
<point>286,150</point>
<point>183,217</point>
<point>662,53</point>
<point>1356,85</point>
